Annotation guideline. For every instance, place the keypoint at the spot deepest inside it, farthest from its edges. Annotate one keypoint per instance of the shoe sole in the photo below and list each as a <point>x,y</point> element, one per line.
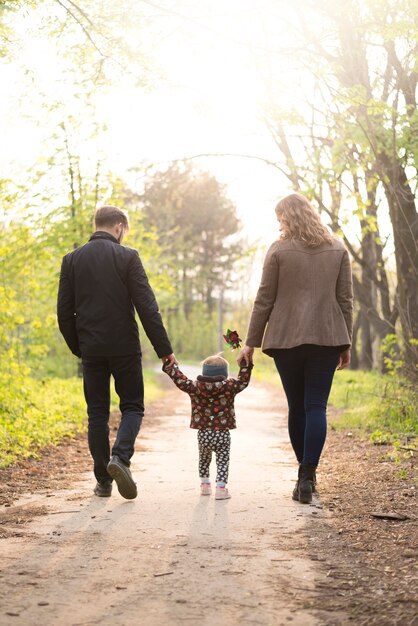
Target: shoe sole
<point>222,497</point>
<point>125,484</point>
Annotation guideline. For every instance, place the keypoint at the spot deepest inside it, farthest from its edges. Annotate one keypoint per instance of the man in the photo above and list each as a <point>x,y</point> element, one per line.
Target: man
<point>101,285</point>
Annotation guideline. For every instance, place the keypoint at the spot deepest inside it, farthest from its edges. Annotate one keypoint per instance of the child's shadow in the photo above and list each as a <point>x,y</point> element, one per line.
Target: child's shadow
<point>210,520</point>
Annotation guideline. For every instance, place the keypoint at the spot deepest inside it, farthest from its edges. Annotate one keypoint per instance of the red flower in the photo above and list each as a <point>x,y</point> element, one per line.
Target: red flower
<point>232,339</point>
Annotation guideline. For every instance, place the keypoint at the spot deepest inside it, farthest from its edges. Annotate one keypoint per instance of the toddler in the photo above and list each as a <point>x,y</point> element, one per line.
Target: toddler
<point>212,396</point>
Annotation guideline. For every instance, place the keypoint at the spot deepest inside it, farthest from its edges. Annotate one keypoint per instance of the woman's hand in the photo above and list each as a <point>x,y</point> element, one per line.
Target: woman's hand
<point>345,358</point>
<point>246,354</point>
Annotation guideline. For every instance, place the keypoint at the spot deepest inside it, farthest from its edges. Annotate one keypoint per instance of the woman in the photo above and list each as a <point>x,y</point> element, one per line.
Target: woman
<point>305,299</point>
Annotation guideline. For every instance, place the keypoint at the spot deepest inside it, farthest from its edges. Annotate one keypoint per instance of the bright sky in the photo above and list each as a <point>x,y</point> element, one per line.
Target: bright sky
<point>214,70</point>
<point>213,60</point>
<point>215,63</point>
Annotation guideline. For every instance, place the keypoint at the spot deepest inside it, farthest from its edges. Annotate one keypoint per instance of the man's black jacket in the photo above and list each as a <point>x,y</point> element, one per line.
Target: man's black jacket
<point>100,284</point>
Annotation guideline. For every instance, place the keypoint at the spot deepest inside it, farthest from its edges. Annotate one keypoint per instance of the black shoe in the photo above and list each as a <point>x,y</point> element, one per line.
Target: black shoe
<point>307,476</point>
<point>103,490</point>
<point>295,492</point>
<point>123,477</point>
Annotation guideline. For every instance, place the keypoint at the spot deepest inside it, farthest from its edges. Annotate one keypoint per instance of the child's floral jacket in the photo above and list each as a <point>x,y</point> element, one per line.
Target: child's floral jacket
<point>212,397</point>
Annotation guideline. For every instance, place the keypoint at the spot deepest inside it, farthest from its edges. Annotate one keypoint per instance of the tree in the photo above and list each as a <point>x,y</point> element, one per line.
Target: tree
<point>197,230</point>
<point>90,48</point>
<point>360,146</point>
<point>195,225</point>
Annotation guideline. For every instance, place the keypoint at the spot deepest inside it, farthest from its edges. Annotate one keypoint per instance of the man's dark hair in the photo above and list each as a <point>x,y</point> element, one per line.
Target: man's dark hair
<point>109,216</point>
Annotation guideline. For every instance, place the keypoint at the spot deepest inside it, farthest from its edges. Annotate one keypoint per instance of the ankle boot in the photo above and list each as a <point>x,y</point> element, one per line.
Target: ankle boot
<point>295,492</point>
<point>306,483</point>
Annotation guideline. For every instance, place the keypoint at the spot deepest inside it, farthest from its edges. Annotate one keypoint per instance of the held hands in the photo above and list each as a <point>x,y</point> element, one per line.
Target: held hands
<point>169,360</point>
<point>345,358</point>
<point>246,354</point>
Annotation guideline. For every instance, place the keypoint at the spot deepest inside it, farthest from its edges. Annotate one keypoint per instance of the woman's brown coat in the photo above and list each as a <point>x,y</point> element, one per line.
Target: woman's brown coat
<point>305,296</point>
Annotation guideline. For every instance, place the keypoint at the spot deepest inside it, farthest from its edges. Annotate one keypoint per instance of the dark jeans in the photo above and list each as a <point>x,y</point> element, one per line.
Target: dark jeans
<point>307,372</point>
<point>129,385</point>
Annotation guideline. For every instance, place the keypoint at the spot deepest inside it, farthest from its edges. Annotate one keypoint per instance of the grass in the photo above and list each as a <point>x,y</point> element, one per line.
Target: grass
<point>35,414</point>
<point>384,406</point>
<point>380,406</point>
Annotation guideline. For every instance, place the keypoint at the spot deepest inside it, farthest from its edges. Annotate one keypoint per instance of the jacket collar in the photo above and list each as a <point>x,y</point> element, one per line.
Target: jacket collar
<point>101,234</point>
<point>210,379</point>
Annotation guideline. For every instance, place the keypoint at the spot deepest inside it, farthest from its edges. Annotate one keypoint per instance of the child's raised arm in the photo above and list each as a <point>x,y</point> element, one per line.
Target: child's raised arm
<point>178,378</point>
<point>244,375</point>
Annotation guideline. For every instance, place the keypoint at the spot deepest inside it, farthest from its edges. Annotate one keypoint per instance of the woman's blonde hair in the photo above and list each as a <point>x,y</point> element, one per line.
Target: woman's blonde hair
<point>299,220</point>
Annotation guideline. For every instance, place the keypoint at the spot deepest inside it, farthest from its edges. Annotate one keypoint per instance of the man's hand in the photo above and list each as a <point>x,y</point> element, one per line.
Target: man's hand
<point>345,358</point>
<point>169,360</point>
<point>246,354</point>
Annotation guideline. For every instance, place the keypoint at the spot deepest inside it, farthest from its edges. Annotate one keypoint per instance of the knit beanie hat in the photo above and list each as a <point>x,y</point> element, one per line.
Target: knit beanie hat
<point>215,370</point>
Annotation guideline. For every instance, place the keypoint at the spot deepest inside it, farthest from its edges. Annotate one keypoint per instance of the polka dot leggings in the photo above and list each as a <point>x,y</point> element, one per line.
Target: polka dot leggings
<point>219,442</point>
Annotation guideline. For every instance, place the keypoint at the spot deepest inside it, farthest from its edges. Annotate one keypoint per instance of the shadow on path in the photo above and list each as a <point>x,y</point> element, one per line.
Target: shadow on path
<point>173,556</point>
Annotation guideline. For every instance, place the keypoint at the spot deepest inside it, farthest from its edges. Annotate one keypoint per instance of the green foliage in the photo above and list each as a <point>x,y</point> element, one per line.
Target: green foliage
<point>375,403</point>
<point>265,370</point>
<point>195,337</point>
<point>31,252</point>
<point>195,224</point>
<point>24,321</point>
<point>381,438</point>
<point>390,350</point>
<point>152,389</point>
<point>51,213</point>
<point>7,9</point>
<point>35,414</point>
<point>200,253</point>
<point>360,160</point>
<point>381,406</point>
<point>31,249</point>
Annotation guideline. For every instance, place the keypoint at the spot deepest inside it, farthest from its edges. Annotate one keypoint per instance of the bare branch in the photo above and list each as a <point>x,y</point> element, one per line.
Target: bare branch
<point>407,83</point>
<point>274,164</point>
<point>83,13</point>
<point>83,28</point>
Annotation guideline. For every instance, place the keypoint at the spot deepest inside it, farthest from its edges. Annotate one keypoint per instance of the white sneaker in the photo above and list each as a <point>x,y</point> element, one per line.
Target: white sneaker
<point>222,493</point>
<point>205,489</point>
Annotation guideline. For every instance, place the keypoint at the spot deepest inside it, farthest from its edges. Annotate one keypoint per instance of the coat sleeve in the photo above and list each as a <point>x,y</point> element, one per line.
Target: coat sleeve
<point>264,300</point>
<point>66,310</point>
<point>179,379</point>
<point>146,306</point>
<point>344,292</point>
<point>242,381</point>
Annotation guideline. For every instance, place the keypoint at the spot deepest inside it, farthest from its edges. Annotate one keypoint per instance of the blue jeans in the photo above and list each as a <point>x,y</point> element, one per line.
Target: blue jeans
<point>129,385</point>
<point>306,373</point>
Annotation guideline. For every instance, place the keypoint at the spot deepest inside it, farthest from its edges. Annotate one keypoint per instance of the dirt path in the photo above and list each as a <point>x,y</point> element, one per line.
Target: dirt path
<point>172,556</point>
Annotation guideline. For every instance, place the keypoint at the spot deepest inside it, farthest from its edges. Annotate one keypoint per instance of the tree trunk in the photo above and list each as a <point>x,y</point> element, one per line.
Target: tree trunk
<point>404,219</point>
<point>354,365</point>
<point>366,353</point>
